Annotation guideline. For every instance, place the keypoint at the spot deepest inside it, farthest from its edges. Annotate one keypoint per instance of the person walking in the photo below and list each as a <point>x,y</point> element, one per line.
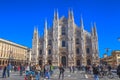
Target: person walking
<point>37,72</point>
<point>70,69</point>
<point>95,72</point>
<point>73,68</point>
<point>51,69</point>
<point>8,69</point>
<point>21,69</point>
<point>47,71</point>
<point>4,71</point>
<point>118,70</point>
<point>61,70</point>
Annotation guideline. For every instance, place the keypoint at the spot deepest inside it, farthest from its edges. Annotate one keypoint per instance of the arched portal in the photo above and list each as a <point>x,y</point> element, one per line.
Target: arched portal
<point>50,61</point>
<point>88,62</point>
<point>78,63</point>
<point>40,62</point>
<point>63,61</point>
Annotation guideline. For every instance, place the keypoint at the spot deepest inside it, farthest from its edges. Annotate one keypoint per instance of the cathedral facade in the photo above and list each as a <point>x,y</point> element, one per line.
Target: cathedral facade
<point>65,43</point>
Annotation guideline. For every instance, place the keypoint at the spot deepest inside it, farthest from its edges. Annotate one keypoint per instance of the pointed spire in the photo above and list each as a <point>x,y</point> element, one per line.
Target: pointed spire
<point>81,22</point>
<point>92,29</point>
<point>35,30</point>
<point>56,15</point>
<point>35,34</point>
<point>95,30</point>
<point>70,15</point>
<point>45,24</point>
<point>45,28</point>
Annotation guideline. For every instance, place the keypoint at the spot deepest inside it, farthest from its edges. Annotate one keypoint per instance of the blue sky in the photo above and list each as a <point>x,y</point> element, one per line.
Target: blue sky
<point>18,18</point>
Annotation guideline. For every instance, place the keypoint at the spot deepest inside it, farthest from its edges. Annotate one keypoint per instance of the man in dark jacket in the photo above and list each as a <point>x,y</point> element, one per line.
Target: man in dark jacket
<point>61,70</point>
<point>118,70</point>
<point>95,72</point>
<point>4,72</point>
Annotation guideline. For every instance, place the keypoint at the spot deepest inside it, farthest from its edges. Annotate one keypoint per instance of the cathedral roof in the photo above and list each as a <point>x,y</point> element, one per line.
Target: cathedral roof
<point>87,33</point>
<point>63,20</point>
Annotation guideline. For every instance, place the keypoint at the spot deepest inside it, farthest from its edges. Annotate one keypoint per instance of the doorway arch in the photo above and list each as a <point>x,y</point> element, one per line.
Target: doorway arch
<point>64,61</point>
<point>40,62</point>
<point>88,62</point>
<point>50,62</point>
<point>78,63</point>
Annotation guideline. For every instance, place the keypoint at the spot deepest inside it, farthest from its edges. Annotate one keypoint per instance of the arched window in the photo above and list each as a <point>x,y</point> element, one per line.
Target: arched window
<point>49,51</point>
<point>88,50</point>
<point>63,43</point>
<point>49,42</point>
<point>77,50</point>
<point>77,41</point>
<point>40,51</point>
<point>63,30</point>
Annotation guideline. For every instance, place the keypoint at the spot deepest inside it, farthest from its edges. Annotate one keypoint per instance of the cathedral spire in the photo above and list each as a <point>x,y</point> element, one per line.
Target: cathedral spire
<point>45,24</point>
<point>45,28</point>
<point>56,15</point>
<point>70,15</point>
<point>35,45</point>
<point>95,30</point>
<point>35,35</point>
<point>92,30</point>
<point>81,23</point>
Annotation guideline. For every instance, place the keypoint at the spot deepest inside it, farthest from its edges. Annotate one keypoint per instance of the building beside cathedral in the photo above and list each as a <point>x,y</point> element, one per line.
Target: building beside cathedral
<point>65,43</point>
<point>13,53</point>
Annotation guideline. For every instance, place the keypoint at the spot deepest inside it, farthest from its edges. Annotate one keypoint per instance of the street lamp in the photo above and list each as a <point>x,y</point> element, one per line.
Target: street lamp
<point>107,50</point>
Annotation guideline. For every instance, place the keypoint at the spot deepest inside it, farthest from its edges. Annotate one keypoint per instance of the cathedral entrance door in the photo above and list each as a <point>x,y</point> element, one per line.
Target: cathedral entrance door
<point>78,63</point>
<point>49,61</point>
<point>88,62</point>
<point>40,62</point>
<point>63,61</point>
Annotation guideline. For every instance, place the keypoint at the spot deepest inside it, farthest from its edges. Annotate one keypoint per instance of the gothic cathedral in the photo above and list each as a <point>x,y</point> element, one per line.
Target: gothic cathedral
<point>65,43</point>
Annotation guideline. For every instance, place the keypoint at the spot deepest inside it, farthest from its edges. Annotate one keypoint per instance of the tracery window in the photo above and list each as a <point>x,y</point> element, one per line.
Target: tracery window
<point>49,51</point>
<point>77,50</point>
<point>63,43</point>
<point>77,41</point>
<point>63,29</point>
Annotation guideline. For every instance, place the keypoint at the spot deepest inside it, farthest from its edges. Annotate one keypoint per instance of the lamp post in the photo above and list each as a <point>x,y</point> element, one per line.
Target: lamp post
<point>107,50</point>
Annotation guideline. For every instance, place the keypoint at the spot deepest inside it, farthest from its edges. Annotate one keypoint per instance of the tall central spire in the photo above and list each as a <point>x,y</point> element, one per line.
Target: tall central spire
<point>56,15</point>
<point>70,15</point>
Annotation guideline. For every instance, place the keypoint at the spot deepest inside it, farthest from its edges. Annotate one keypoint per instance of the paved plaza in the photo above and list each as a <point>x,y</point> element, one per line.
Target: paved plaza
<point>78,75</point>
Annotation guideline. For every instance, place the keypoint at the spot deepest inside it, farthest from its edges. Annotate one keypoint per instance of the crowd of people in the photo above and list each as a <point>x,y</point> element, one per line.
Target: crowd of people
<point>98,70</point>
<point>37,71</point>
